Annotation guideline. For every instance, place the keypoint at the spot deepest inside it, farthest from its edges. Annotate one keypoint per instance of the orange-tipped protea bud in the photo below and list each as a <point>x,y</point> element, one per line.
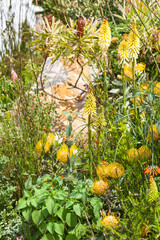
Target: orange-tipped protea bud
<point>155,133</point>
<point>90,104</point>
<point>133,43</point>
<point>153,190</point>
<point>109,221</point>
<point>62,154</point>
<point>105,35</point>
<point>157,89</point>
<point>145,153</point>
<point>99,187</point>
<point>132,155</point>
<point>123,49</point>
<point>152,170</point>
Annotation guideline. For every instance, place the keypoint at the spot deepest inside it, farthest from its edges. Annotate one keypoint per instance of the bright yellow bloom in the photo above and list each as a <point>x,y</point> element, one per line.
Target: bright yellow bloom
<point>73,149</point>
<point>105,35</point>
<point>62,154</point>
<point>157,89</point>
<point>132,155</point>
<point>102,171</point>
<point>140,67</point>
<point>155,134</point>
<point>99,187</point>
<point>49,142</point>
<point>123,49</point>
<point>145,153</point>
<point>109,221</point>
<point>90,104</point>
<point>144,87</point>
<point>128,75</point>
<point>115,170</point>
<point>153,190</point>
<point>39,146</point>
<point>133,43</point>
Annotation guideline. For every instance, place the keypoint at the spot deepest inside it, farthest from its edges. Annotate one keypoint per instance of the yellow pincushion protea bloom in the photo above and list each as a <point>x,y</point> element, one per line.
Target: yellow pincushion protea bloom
<point>62,154</point>
<point>155,134</point>
<point>115,170</point>
<point>140,67</point>
<point>145,153</point>
<point>132,155</point>
<point>123,49</point>
<point>49,142</point>
<point>105,35</point>
<point>133,43</point>
<point>102,171</point>
<point>109,221</point>
<point>99,187</point>
<point>73,150</point>
<point>39,146</point>
<point>90,104</point>
<point>157,89</point>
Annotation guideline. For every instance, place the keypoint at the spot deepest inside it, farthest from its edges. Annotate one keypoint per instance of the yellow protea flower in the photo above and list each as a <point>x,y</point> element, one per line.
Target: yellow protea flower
<point>105,35</point>
<point>115,170</point>
<point>132,155</point>
<point>49,142</point>
<point>100,119</point>
<point>39,146</point>
<point>133,43</point>
<point>99,187</point>
<point>155,134</point>
<point>144,87</point>
<point>157,89</point>
<point>62,154</point>
<point>128,75</point>
<point>123,49</point>
<point>153,190</point>
<point>109,221</point>
<point>102,171</point>
<point>73,150</point>
<point>140,67</point>
<point>145,228</point>
<point>90,104</point>
<point>145,153</point>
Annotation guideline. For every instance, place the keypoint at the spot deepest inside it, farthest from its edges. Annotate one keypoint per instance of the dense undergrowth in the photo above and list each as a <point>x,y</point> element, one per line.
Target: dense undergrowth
<point>102,183</point>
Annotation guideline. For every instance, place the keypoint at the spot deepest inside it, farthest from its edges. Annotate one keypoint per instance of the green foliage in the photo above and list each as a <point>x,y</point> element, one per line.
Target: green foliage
<point>57,208</point>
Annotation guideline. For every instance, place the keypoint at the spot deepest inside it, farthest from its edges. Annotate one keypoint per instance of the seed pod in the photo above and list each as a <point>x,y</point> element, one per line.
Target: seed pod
<point>80,26</point>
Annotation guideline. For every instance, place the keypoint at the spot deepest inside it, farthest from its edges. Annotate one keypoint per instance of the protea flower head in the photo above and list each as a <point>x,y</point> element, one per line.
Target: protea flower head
<point>115,170</point>
<point>105,35</point>
<point>62,154</point>
<point>123,49</point>
<point>102,171</point>
<point>133,43</point>
<point>49,142</point>
<point>153,190</point>
<point>109,221</point>
<point>99,187</point>
<point>157,89</point>
<point>145,153</point>
<point>155,133</point>
<point>132,155</point>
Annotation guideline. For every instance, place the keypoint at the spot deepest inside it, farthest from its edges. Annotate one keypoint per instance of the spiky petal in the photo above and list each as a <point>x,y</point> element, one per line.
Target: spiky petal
<point>105,35</point>
<point>123,49</point>
<point>133,43</point>
<point>153,190</point>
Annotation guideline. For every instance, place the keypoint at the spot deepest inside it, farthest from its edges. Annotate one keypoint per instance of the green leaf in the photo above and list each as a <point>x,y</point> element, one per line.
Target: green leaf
<point>68,130</point>
<point>22,203</point>
<point>34,202</point>
<point>59,228</point>
<point>27,213</point>
<point>71,219</point>
<point>28,183</point>
<point>50,204</point>
<point>45,212</point>
<point>78,209</point>
<point>61,213</point>
<point>71,237</point>
<point>84,196</point>
<point>76,195</point>
<point>43,227</point>
<point>37,217</point>
<point>69,203</point>
<point>50,227</point>
<point>27,194</point>
<point>48,236</point>
<point>97,205</point>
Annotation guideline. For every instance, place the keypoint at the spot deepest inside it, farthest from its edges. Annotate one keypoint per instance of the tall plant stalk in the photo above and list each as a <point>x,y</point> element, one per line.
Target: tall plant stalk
<point>134,89</point>
<point>124,96</point>
<point>89,146</point>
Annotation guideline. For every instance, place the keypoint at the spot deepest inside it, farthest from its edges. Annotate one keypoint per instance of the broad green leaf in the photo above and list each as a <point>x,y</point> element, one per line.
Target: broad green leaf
<point>71,237</point>
<point>71,219</point>
<point>43,227</point>
<point>59,228</point>
<point>48,236</point>
<point>37,217</point>
<point>34,202</point>
<point>50,204</point>
<point>45,211</point>
<point>68,130</point>
<point>76,195</point>
<point>78,209</point>
<point>50,227</point>
<point>28,183</point>
<point>22,203</point>
<point>80,230</point>
<point>61,213</point>
<point>27,194</point>
<point>69,203</point>
<point>97,205</point>
<point>27,213</point>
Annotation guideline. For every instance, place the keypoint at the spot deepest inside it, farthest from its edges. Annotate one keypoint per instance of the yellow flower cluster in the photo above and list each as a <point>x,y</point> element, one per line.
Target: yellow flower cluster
<point>133,43</point>
<point>157,89</point>
<point>144,153</point>
<point>153,190</point>
<point>123,49</point>
<point>109,221</point>
<point>105,35</point>
<point>155,133</point>
<point>99,187</point>
<point>113,170</point>
<point>62,154</point>
<point>90,104</point>
<point>45,143</point>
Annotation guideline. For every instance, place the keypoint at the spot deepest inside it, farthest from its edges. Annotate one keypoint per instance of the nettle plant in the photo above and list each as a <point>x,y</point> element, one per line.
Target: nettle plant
<point>59,208</point>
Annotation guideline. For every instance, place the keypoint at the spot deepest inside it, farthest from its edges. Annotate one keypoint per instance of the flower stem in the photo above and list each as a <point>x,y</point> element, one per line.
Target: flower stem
<point>98,147</point>
<point>105,87</point>
<point>124,95</point>
<point>134,89</point>
<point>89,146</point>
